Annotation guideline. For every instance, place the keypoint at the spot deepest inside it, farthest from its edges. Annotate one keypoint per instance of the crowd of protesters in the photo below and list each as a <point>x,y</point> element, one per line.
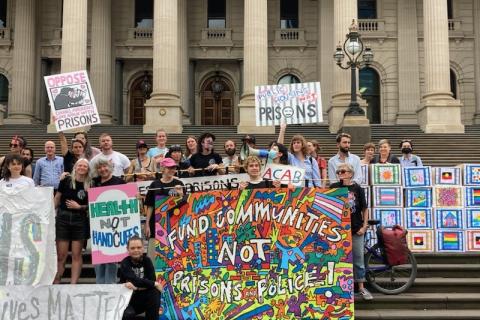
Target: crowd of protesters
<point>82,166</point>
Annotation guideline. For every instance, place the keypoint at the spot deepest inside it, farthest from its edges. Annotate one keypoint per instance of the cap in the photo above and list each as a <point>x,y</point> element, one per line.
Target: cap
<point>141,143</point>
<point>249,137</point>
<point>175,147</point>
<point>168,163</point>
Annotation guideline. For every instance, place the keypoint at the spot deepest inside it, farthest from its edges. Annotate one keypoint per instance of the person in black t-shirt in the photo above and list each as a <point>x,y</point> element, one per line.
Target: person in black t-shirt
<point>253,167</point>
<point>71,222</point>
<point>167,185</point>
<point>70,156</point>
<point>138,274</point>
<point>359,222</point>
<point>206,158</point>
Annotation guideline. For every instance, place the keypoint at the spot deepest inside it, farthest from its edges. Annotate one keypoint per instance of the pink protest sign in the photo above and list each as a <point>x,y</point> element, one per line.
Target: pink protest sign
<point>114,218</point>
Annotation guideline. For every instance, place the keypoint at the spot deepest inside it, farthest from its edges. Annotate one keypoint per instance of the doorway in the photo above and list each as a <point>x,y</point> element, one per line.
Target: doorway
<point>217,102</point>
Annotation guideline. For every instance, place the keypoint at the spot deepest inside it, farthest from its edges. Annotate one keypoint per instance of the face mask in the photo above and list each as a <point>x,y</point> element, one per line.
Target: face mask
<point>407,150</point>
<point>344,150</point>
<point>230,152</point>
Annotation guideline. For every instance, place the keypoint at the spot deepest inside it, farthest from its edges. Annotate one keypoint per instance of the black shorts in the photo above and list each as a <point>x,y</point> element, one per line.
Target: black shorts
<point>71,225</point>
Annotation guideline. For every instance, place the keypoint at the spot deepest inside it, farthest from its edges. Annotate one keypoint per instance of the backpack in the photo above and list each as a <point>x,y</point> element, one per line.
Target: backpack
<point>394,243</point>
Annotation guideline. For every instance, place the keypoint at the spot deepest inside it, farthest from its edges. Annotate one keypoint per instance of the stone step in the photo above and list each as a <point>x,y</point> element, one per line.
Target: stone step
<point>448,270</point>
<point>420,301</point>
<point>388,314</point>
<point>448,258</point>
<point>446,285</point>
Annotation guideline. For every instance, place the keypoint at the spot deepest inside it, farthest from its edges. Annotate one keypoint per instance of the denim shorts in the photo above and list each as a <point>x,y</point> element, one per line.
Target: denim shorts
<point>71,225</point>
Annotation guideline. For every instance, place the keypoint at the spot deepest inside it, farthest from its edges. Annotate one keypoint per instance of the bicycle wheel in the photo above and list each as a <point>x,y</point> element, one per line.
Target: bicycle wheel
<point>389,279</point>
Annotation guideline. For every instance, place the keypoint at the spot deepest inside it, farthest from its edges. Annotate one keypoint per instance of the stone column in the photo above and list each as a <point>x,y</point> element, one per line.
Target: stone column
<point>255,63</point>
<point>408,66</point>
<point>22,105</point>
<point>101,62</point>
<point>184,63</point>
<point>324,51</point>
<point>74,40</point>
<point>476,21</point>
<point>344,12</point>
<point>74,35</point>
<point>163,109</point>
<point>439,112</point>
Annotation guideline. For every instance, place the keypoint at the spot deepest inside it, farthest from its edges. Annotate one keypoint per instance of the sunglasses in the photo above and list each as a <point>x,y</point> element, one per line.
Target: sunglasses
<point>342,171</point>
<point>13,145</point>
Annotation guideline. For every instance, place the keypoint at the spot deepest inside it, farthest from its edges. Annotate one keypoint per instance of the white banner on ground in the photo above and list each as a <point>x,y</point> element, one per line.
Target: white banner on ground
<point>204,183</point>
<point>286,174</point>
<point>64,302</point>
<point>27,236</point>
<point>71,100</point>
<point>294,103</point>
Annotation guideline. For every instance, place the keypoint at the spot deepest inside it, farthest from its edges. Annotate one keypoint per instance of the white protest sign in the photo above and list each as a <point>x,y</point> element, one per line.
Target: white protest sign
<point>27,236</point>
<point>286,174</point>
<point>64,302</point>
<point>294,103</point>
<point>114,218</point>
<point>204,183</point>
<point>71,99</point>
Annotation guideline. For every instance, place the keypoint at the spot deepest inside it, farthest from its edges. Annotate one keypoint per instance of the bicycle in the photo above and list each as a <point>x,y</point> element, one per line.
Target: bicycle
<point>384,277</point>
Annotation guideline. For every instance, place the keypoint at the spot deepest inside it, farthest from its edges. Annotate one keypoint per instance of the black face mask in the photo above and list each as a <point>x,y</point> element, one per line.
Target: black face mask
<point>344,150</point>
<point>230,152</point>
<point>407,150</point>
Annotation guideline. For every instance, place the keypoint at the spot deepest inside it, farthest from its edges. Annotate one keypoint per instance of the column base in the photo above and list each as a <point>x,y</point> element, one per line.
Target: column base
<point>336,111</point>
<point>441,116</point>
<point>407,118</point>
<point>358,127</point>
<point>247,123</point>
<point>476,118</point>
<point>106,119</point>
<point>19,121</point>
<point>164,114</point>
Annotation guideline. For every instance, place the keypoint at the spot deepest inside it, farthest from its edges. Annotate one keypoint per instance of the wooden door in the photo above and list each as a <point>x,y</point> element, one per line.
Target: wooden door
<point>217,108</point>
<point>137,102</point>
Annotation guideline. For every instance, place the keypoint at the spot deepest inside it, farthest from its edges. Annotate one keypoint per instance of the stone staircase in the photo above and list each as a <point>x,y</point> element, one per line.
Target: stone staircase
<point>447,287</point>
<point>435,149</point>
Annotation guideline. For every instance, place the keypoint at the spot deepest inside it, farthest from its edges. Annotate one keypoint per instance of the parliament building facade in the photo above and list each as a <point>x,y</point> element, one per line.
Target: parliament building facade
<point>173,63</point>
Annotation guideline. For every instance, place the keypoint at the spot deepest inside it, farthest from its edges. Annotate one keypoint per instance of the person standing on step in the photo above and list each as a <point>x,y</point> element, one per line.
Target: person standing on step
<point>231,161</point>
<point>14,173</point>
<point>408,159</point>
<point>313,148</point>
<point>368,153</point>
<point>384,153</point>
<point>167,185</point>
<point>359,222</point>
<point>17,144</point>
<point>142,167</point>
<point>105,273</point>
<point>206,162</point>
<point>49,169</point>
<point>71,222</point>
<point>344,156</point>
<point>120,162</point>
<point>90,151</point>
<point>159,152</point>
<point>70,156</point>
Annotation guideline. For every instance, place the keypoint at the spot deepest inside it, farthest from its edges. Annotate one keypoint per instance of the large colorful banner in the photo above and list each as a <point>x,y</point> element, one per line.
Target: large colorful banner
<point>290,103</point>
<point>256,254</point>
<point>71,99</point>
<point>27,236</point>
<point>114,218</point>
<point>76,302</point>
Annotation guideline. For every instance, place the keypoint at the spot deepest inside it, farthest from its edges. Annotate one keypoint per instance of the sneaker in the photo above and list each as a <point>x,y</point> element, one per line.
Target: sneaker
<point>366,295</point>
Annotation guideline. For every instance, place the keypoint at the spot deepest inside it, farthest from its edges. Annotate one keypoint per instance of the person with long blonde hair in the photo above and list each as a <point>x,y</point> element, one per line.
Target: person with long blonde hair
<point>71,223</point>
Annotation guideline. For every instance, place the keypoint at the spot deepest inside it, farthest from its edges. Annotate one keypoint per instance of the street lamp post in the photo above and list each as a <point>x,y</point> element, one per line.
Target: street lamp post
<point>354,48</point>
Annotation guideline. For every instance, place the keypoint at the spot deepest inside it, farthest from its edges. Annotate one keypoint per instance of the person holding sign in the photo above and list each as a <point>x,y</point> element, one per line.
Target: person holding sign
<point>70,157</point>
<point>206,158</point>
<point>167,185</point>
<point>105,273</point>
<point>71,223</point>
<point>298,156</point>
<point>359,218</point>
<point>253,167</point>
<point>282,153</point>
<point>138,274</point>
